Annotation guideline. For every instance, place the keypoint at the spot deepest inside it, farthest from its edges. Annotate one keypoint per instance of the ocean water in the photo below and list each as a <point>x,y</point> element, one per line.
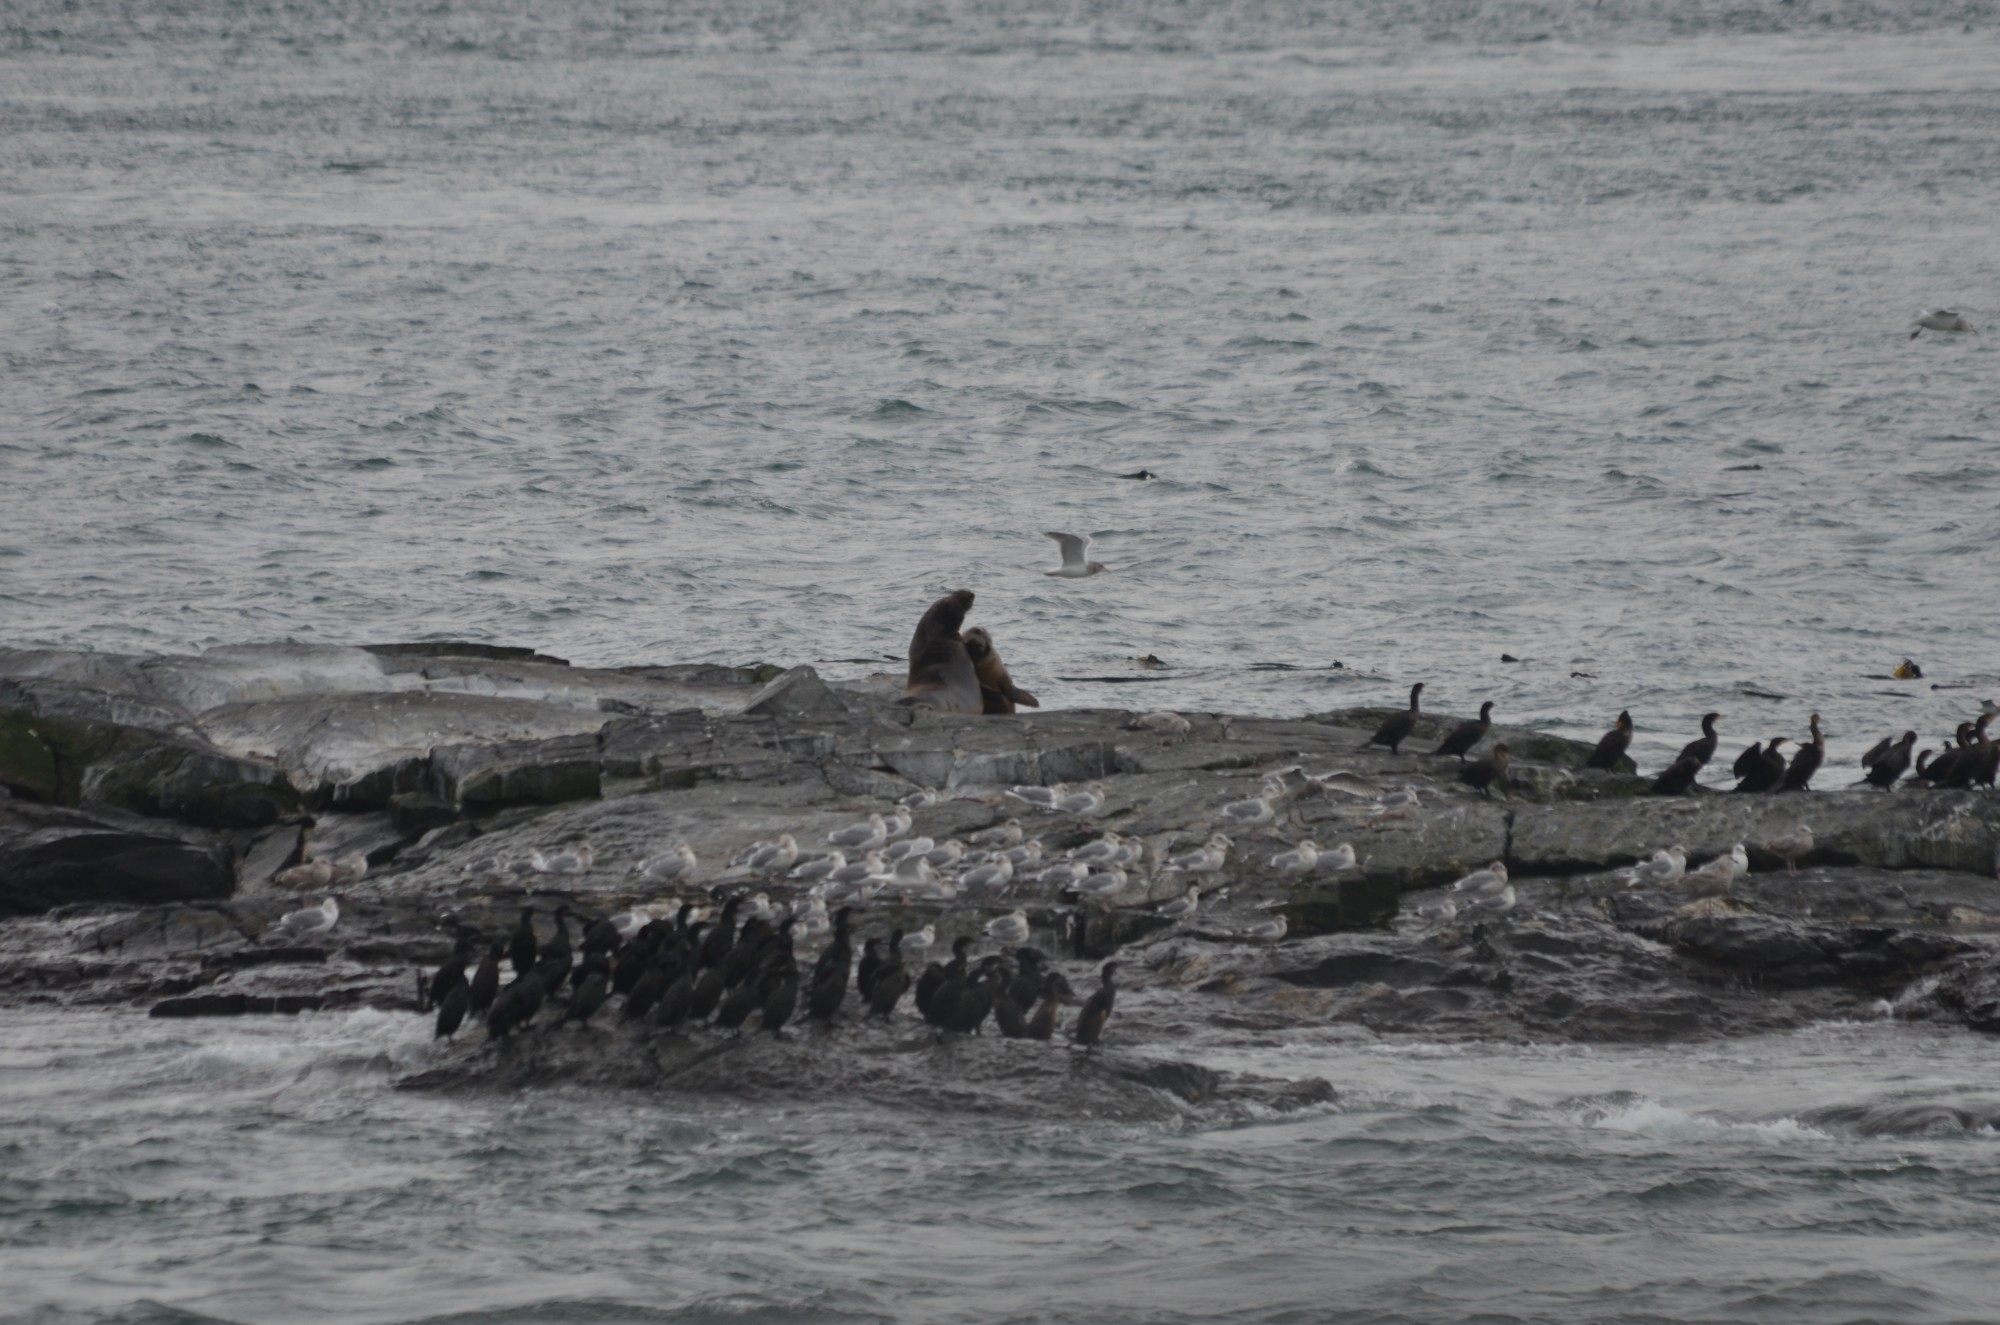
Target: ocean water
<point>734,331</point>
<point>265,1170</point>
<point>739,331</point>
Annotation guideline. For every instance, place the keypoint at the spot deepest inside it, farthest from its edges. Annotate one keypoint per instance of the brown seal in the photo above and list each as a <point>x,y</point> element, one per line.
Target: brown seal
<point>941,672</point>
<point>997,691</point>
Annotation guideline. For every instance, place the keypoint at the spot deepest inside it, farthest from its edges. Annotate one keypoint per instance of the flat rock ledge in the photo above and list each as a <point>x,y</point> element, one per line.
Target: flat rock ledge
<point>147,806</point>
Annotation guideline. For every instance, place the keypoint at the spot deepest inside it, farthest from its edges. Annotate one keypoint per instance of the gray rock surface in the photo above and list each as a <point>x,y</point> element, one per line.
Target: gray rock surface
<point>153,805</point>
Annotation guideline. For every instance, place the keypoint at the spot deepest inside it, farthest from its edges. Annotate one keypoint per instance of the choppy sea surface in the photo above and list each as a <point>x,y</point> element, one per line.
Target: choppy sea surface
<point>727,331</point>
<point>189,1172</point>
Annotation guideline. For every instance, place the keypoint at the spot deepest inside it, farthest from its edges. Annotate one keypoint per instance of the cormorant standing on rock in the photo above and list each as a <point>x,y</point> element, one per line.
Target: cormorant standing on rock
<point>781,996</point>
<point>1396,728</point>
<point>1752,757</point>
<point>1486,772</point>
<point>600,937</point>
<point>645,993</point>
<point>557,959</point>
<point>976,1001</point>
<point>451,1011</point>
<point>452,972</point>
<point>1467,734</point>
<point>1806,761</point>
<point>516,1006</point>
<point>524,950</point>
<point>1767,770</point>
<point>1679,777</point>
<point>1008,1015</point>
<point>590,994</point>
<point>1096,1011</point>
<point>937,998</point>
<point>486,980</point>
<point>723,936</point>
<point>831,972</point>
<point>1888,761</point>
<point>1702,748</point>
<point>1026,985</point>
<point>1611,746</point>
<point>1042,1024</point>
<point>891,981</point>
<point>871,964</point>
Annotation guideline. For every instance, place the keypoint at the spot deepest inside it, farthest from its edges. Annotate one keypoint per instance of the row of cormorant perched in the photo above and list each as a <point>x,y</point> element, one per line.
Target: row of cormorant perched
<point>681,972</point>
<point>1973,758</point>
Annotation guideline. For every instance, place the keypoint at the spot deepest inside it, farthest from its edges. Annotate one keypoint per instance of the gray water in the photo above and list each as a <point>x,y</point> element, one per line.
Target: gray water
<point>733,331</point>
<point>255,1171</point>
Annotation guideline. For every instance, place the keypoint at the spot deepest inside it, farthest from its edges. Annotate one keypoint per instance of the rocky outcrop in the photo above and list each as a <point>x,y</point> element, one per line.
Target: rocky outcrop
<point>171,785</point>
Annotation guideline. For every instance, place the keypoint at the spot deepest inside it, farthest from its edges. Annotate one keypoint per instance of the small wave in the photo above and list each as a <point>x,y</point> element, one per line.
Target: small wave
<point>896,408</point>
<point>1640,1116</point>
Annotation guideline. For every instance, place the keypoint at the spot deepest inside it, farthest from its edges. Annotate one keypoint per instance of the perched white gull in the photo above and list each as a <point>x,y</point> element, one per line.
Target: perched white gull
<point>1109,883</point>
<point>350,868</point>
<point>860,837</point>
<point>898,852</point>
<point>1350,784</point>
<point>1438,912</point>
<point>1299,860</point>
<point>1249,814</point>
<point>313,920</point>
<point>1131,853</point>
<point>1499,903</point>
<point>758,907</point>
<point>918,799</point>
<point>676,866</point>
<point>776,858</point>
<point>819,867</point>
<point>1665,866</point>
<point>917,944</point>
<point>860,871</point>
<point>628,923</point>
<point>897,823</point>
<point>1267,931</point>
<point>1081,803</point>
<point>1181,907</point>
<point>570,860</point>
<point>1076,562</point>
<point>993,874</point>
<point>1026,856</point>
<point>1091,853</point>
<point>1939,319</point>
<point>1483,883</point>
<point>1336,859</point>
<point>1205,859</point>
<point>945,854</point>
<point>1006,834</point>
<point>1060,875</point>
<point>1042,798</point>
<point>1009,930</point>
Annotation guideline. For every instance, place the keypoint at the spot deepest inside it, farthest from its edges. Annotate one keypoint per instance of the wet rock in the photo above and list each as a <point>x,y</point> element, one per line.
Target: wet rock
<point>484,777</point>
<point>46,863</point>
<point>415,814</point>
<point>798,693</point>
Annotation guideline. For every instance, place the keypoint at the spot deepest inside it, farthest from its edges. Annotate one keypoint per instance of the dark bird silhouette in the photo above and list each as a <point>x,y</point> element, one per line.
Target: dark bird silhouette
<point>486,980</point>
<point>1767,771</point>
<point>1396,728</point>
<point>1097,1009</point>
<point>451,972</point>
<point>831,972</point>
<point>977,999</point>
<point>871,962</point>
<point>1702,748</point>
<point>1467,734</point>
<point>1487,772</point>
<point>1678,779</point>
<point>1042,1022</point>
<point>557,958</point>
<point>1752,757</point>
<point>781,996</point>
<point>891,982</point>
<point>1888,760</point>
<point>515,1007</point>
<point>1611,746</point>
<point>524,951</point>
<point>1940,771</point>
<point>601,936</point>
<point>645,993</point>
<point>1806,760</point>
<point>591,993</point>
<point>677,1001</point>
<point>451,1010</point>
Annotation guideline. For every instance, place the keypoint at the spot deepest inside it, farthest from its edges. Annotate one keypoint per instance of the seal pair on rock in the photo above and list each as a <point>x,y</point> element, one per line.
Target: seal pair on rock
<point>958,673</point>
